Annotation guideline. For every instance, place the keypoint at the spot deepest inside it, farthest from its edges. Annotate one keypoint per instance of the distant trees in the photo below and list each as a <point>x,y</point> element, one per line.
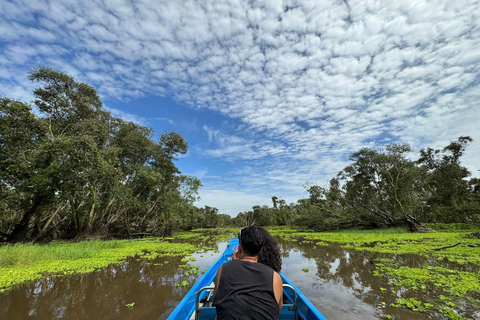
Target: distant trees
<point>384,188</point>
<point>450,197</point>
<point>77,170</point>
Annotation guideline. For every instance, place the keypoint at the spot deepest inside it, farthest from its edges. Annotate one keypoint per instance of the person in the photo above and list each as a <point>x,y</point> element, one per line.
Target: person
<point>270,254</point>
<point>244,288</point>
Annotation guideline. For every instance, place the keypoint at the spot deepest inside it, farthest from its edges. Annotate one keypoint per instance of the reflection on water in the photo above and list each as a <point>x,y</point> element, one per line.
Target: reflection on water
<point>339,282</point>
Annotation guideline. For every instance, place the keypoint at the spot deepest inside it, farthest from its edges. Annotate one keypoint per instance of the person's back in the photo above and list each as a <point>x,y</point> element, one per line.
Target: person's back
<point>246,292</point>
<point>245,289</point>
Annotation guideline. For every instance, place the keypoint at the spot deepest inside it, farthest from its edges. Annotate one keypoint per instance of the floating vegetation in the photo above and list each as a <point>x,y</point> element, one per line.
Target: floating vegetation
<point>452,282</point>
<point>188,259</point>
<point>445,281</point>
<point>130,305</point>
<point>460,286</point>
<point>27,262</point>
<point>451,246</point>
<point>411,303</point>
<point>305,269</point>
<point>184,283</point>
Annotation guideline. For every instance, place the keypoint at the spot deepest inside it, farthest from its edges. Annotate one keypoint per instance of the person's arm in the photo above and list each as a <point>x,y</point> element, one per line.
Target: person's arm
<point>217,280</point>
<point>278,291</point>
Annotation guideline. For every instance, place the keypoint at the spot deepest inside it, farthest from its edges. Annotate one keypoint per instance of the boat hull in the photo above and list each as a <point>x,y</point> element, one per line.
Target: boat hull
<point>186,308</point>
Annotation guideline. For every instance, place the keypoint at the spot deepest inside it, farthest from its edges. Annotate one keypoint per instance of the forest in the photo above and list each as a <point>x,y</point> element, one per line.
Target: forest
<point>70,170</point>
<point>384,188</point>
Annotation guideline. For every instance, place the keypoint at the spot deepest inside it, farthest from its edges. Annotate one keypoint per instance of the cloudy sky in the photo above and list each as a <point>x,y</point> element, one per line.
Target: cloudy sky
<point>269,94</point>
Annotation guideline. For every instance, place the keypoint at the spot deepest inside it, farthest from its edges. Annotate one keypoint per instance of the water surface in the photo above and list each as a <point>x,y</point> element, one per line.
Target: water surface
<point>339,282</point>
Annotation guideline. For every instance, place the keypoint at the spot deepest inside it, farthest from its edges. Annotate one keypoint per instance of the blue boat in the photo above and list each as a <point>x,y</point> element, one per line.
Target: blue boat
<point>197,303</point>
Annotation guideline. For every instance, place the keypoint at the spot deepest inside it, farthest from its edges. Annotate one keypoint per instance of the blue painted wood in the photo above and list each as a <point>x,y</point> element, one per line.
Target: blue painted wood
<point>306,310</point>
<point>186,307</point>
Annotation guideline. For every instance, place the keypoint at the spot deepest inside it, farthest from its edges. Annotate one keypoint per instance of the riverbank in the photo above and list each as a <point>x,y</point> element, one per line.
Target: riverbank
<point>26,262</point>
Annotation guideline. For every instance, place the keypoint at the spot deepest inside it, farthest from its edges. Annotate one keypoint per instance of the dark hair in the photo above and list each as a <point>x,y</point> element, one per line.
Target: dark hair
<point>270,255</point>
<point>252,240</point>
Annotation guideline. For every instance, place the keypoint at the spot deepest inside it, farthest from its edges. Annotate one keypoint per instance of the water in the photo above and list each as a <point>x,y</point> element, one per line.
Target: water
<point>339,282</point>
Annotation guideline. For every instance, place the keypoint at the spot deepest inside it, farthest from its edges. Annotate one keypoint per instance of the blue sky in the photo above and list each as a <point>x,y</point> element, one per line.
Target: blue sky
<point>269,94</point>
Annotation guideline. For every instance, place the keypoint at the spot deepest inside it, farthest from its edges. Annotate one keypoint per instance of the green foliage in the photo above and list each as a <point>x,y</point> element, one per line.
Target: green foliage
<point>77,170</point>
<point>453,227</point>
<point>386,188</point>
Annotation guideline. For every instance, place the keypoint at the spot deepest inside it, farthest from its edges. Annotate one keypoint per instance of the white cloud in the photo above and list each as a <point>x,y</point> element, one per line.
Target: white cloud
<point>134,117</point>
<point>316,81</point>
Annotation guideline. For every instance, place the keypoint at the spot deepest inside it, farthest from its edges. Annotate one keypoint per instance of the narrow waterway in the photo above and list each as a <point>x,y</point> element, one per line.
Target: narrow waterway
<point>339,282</point>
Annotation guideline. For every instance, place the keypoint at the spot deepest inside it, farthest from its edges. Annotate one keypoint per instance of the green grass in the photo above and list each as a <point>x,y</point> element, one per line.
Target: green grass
<point>26,262</point>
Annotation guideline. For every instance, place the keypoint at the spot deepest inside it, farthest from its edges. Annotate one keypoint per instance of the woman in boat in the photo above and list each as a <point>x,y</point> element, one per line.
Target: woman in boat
<point>245,289</point>
<point>270,254</point>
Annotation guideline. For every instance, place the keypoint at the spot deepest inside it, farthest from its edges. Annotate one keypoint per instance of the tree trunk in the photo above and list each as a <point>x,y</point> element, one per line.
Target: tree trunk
<point>416,226</point>
<point>20,231</point>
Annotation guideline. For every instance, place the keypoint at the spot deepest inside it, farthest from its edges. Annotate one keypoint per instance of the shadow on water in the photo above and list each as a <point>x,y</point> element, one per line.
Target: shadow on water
<point>339,282</point>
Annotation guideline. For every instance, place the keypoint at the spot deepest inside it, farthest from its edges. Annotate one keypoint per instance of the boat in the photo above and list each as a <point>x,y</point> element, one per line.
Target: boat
<point>197,302</point>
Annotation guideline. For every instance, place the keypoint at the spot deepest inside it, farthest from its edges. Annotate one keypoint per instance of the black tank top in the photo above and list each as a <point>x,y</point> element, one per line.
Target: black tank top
<point>245,291</point>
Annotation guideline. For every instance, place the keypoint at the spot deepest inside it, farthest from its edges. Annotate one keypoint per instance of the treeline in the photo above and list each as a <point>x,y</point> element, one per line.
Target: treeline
<point>70,169</point>
<point>384,188</point>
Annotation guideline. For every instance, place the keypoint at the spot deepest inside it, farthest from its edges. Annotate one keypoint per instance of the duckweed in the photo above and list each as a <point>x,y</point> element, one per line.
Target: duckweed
<point>455,244</point>
<point>452,246</point>
<point>27,262</point>
<point>453,282</point>
<point>411,304</point>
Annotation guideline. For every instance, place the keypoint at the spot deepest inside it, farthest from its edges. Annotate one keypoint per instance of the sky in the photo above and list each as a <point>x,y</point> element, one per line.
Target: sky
<point>269,94</point>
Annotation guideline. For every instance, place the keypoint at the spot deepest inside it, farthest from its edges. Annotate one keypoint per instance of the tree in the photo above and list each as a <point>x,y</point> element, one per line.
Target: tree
<point>451,197</point>
<point>78,170</point>
<point>381,186</point>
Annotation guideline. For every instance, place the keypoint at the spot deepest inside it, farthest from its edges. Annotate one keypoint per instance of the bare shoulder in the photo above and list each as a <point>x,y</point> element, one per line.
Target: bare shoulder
<point>278,288</point>
<point>277,279</point>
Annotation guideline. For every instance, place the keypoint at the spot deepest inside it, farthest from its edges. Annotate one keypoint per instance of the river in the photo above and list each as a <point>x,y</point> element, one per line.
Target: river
<point>339,282</point>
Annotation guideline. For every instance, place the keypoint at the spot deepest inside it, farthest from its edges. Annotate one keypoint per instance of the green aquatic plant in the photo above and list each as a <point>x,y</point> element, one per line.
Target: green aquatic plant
<point>456,284</point>
<point>188,259</point>
<point>451,315</point>
<point>27,262</point>
<point>451,246</point>
<point>453,282</point>
<point>410,303</point>
<point>305,269</point>
<point>130,305</point>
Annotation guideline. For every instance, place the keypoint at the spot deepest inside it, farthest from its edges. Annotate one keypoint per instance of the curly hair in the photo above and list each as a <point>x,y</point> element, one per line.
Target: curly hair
<point>270,254</point>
